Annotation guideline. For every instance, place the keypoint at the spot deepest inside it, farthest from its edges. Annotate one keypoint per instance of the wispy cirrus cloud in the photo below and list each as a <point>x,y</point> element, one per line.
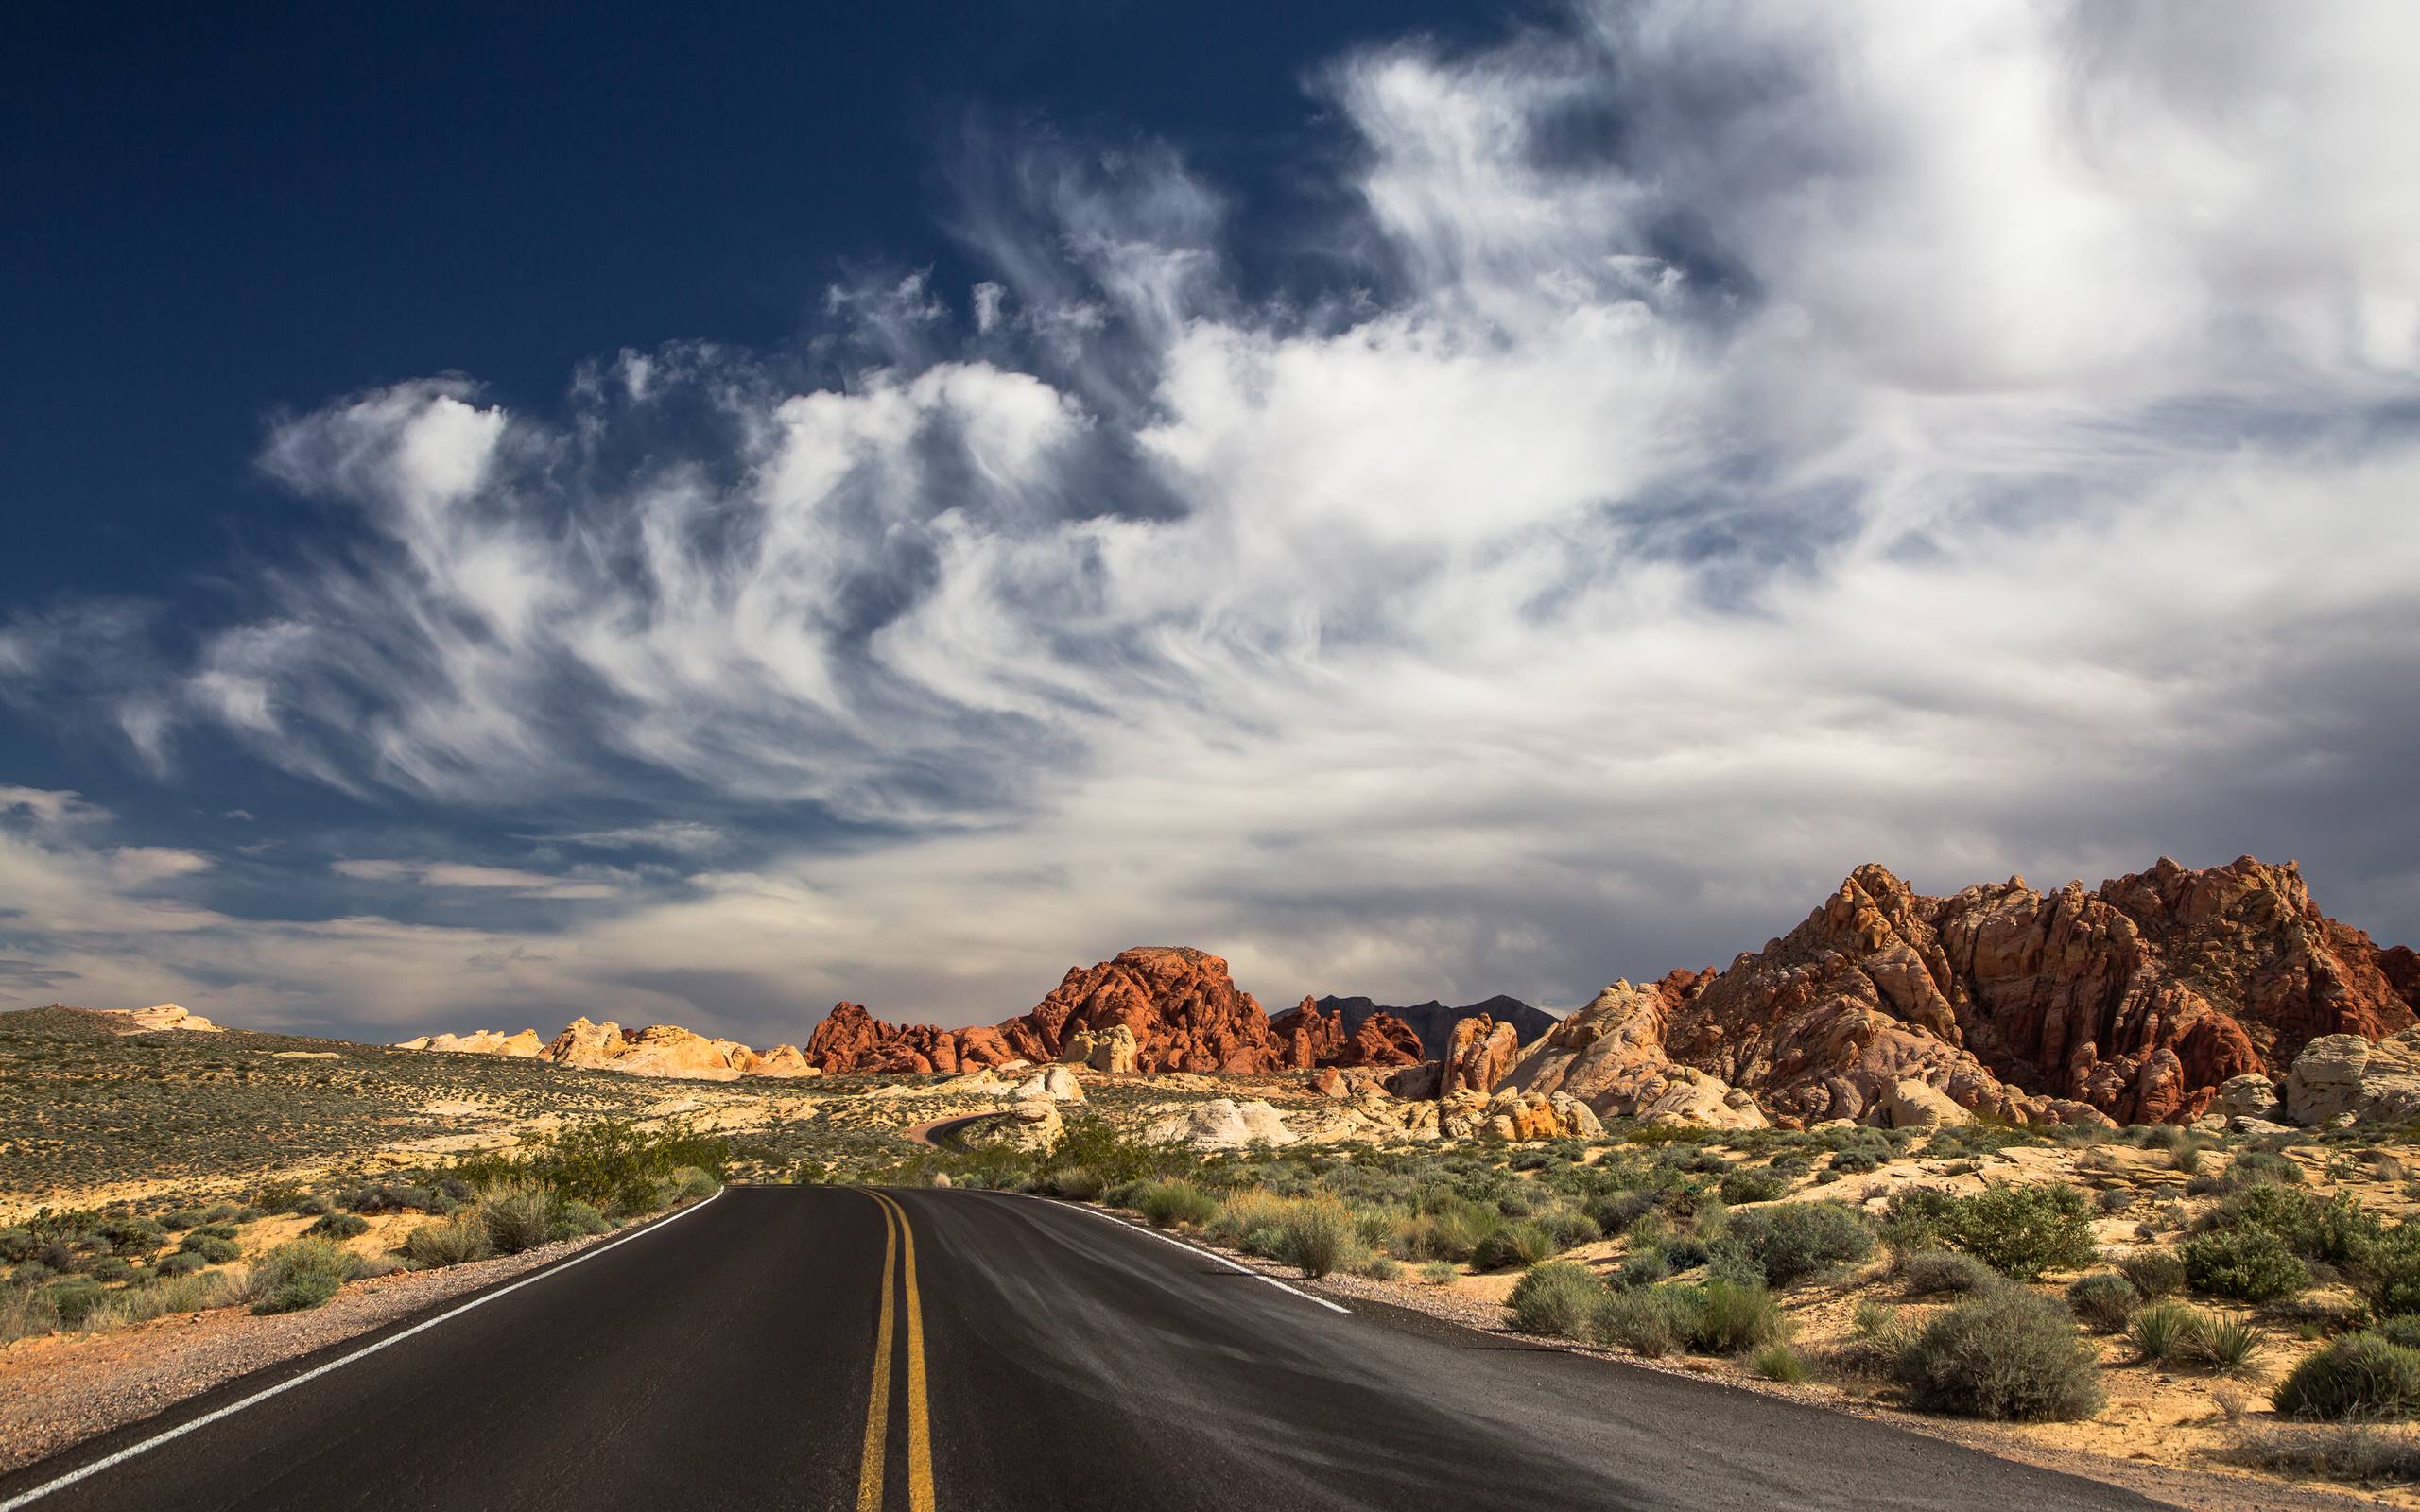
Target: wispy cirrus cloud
<point>1714,445</point>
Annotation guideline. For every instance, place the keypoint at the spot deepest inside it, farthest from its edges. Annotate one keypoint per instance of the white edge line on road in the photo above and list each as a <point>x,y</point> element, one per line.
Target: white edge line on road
<point>28,1498</point>
<point>1172,1239</point>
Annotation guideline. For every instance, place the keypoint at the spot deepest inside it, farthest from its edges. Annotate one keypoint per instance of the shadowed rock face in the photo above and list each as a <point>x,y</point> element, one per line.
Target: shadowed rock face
<point>1180,1004</point>
<point>1308,1037</point>
<point>1433,1023</point>
<point>2133,1003</point>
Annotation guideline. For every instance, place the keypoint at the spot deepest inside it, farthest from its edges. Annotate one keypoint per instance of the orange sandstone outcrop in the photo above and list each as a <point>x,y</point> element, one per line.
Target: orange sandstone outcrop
<point>2133,1003</point>
<point>479,1043</point>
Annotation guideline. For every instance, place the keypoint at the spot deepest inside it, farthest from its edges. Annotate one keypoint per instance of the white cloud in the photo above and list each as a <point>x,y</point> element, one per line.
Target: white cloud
<point>1764,438</point>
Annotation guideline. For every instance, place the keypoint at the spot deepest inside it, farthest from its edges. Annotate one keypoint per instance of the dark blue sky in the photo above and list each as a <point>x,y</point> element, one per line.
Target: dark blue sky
<point>218,213</point>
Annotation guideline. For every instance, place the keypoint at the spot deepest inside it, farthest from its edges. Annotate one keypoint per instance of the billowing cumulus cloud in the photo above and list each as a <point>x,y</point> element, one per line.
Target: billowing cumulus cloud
<point>1719,445</point>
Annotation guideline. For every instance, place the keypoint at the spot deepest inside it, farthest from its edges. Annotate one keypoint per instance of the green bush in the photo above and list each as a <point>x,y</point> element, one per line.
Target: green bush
<point>1780,1362</point>
<point>299,1274</point>
<point>1644,1267</point>
<point>577,1220</point>
<point>1732,1317</point>
<point>1554,1296</point>
<point>1614,1212</point>
<point>2023,1231</point>
<point>1168,1203</point>
<point>1792,1241</point>
<point>184,1262</point>
<point>212,1249</point>
<point>2388,1275</point>
<point>2360,1376</point>
<point>1747,1184</point>
<point>1654,1320</point>
<point>2102,1300</point>
<point>2249,1264</point>
<point>448,1241</point>
<point>112,1268</point>
<point>1570,1230</point>
<point>182,1218</point>
<point>17,1246</point>
<point>2007,1355</point>
<point>2224,1344</point>
<point>2404,1328</point>
<point>1516,1244</point>
<point>1316,1236</point>
<point>340,1226</point>
<point>74,1299</point>
<point>2155,1273</point>
<point>1944,1273</point>
<point>1438,1273</point>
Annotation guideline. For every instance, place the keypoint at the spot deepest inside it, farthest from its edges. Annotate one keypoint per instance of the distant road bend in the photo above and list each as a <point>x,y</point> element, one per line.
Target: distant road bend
<point>833,1348</point>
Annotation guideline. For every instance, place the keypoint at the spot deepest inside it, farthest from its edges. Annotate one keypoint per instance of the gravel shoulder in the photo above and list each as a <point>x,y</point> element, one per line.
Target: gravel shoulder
<point>59,1391</point>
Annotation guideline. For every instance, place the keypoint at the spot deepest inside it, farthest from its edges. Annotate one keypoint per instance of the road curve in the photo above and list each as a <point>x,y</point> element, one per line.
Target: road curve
<point>1039,1356</point>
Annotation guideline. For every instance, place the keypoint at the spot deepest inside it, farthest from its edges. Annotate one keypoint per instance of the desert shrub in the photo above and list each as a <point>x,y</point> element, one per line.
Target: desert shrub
<point>180,1219</point>
<point>278,1198</point>
<point>1747,1184</point>
<point>1796,1239</point>
<point>612,1164</point>
<point>1732,1317</point>
<point>2023,1231</point>
<point>1944,1272</point>
<point>1243,1213</point>
<point>2252,1166</point>
<point>73,1299</point>
<point>1075,1183</point>
<point>212,1249</point>
<point>1554,1296</point>
<point>1652,1320</point>
<point>299,1274</point>
<point>1381,1267</point>
<point>2360,1376</point>
<point>1919,1218</point>
<point>391,1199</point>
<point>228,1213</point>
<point>2251,1265</point>
<point>1438,1273</point>
<point>517,1218</point>
<point>1686,1252</point>
<point>313,1206</point>
<point>2155,1273</point>
<point>1568,1230</point>
<point>184,1262</point>
<point>1779,1362</point>
<point>2007,1355</point>
<point>1316,1236</point>
<point>340,1226</point>
<point>1450,1229</point>
<point>2404,1328</point>
<point>1516,1244</point>
<point>574,1220</point>
<point>363,1267</point>
<point>1614,1212</point>
<point>1644,1267</point>
<point>17,1246</point>
<point>2388,1275</point>
<point>1168,1203</point>
<point>132,1236</point>
<point>448,1241</point>
<point>2102,1300</point>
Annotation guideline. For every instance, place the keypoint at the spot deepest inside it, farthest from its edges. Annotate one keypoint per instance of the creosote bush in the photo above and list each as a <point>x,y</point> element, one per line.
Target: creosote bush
<point>2359,1377</point>
<point>1315,1236</point>
<point>1944,1273</point>
<point>1652,1320</point>
<point>2007,1355</point>
<point>1516,1244</point>
<point>1168,1203</point>
<point>2102,1300</point>
<point>299,1274</point>
<point>2248,1264</point>
<point>1555,1296</point>
<point>448,1241</point>
<point>2155,1273</point>
<point>1792,1241</point>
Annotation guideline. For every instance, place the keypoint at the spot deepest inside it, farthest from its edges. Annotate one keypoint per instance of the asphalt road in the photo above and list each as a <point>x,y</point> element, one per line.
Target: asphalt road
<point>1023,1355</point>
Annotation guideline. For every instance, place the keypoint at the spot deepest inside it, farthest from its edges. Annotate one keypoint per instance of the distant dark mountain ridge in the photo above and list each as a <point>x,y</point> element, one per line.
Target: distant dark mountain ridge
<point>1434,1022</point>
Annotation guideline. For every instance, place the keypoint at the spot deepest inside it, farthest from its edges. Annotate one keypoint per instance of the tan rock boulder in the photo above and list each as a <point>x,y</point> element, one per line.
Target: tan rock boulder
<point>781,1060</point>
<point>1329,1082</point>
<point>1220,1123</point>
<point>1480,1055</point>
<point>1033,1124</point>
<point>479,1043</point>
<point>1113,1049</point>
<point>2248,1096</point>
<point>162,1016</point>
<point>2344,1076</point>
<point>1056,1083</point>
<point>1912,1104</point>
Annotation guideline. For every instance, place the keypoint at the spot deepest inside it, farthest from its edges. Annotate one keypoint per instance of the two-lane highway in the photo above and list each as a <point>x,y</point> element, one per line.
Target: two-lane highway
<point>830,1347</point>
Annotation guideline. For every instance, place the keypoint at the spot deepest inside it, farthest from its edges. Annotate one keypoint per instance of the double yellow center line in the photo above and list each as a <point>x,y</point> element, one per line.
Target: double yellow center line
<point>898,1244</point>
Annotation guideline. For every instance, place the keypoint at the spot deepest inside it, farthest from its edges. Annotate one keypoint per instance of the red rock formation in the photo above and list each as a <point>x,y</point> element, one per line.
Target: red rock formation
<point>1308,1037</point>
<point>2401,968</point>
<point>1383,1039</point>
<point>2137,1000</point>
<point>1181,1006</point>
